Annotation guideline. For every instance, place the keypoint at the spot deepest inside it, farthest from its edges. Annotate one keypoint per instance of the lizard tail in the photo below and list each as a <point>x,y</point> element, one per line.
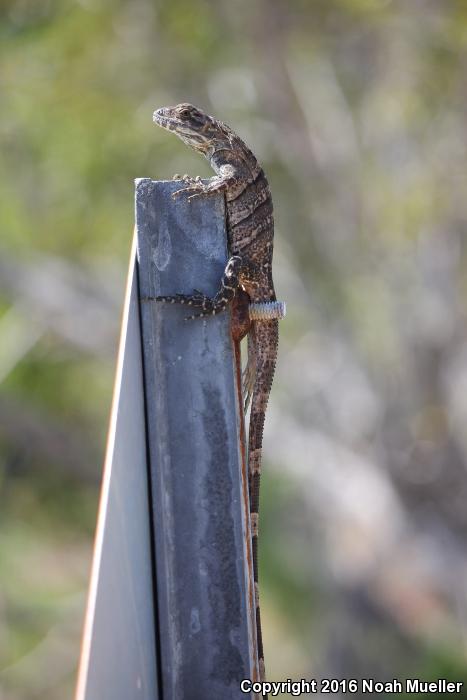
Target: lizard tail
<point>265,354</point>
<point>249,373</point>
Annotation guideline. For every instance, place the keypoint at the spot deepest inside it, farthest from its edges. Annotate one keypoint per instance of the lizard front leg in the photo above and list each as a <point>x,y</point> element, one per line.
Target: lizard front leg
<point>226,180</point>
<point>210,306</point>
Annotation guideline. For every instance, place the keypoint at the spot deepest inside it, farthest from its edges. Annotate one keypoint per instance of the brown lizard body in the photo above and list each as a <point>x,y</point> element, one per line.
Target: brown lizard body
<point>250,229</point>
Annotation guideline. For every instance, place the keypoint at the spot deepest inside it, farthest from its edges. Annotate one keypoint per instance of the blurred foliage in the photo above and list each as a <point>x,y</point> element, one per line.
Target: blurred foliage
<point>357,110</point>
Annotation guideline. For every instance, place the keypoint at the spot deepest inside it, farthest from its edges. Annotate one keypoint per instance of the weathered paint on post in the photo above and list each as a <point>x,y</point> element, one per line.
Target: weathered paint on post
<point>118,657</point>
<point>200,531</point>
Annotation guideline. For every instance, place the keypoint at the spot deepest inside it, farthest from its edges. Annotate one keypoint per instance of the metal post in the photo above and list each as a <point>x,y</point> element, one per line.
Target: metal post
<point>204,590</point>
<point>118,657</point>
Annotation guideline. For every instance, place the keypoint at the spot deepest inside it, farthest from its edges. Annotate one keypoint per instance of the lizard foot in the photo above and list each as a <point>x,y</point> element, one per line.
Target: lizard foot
<point>178,298</point>
<point>197,299</point>
<point>196,189</point>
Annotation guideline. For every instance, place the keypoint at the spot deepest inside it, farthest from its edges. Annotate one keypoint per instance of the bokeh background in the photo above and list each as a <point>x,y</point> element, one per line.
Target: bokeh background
<point>357,109</point>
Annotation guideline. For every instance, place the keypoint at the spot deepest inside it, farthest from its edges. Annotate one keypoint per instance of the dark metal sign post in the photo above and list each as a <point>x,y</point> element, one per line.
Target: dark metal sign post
<point>194,447</point>
<point>201,605</point>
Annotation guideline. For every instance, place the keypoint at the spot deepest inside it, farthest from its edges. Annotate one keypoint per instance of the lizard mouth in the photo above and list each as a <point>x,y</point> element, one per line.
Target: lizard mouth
<point>161,118</point>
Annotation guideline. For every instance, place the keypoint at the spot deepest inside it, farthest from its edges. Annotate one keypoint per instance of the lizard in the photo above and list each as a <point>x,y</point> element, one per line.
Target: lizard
<point>250,233</point>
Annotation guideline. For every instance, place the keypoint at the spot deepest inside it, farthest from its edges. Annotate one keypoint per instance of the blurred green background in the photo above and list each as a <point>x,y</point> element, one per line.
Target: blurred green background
<point>357,110</point>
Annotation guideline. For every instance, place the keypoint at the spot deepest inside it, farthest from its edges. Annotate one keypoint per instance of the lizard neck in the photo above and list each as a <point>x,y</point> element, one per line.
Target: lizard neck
<point>235,157</point>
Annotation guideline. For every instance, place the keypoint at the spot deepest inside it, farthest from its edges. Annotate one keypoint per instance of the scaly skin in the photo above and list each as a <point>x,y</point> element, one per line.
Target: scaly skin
<point>250,229</point>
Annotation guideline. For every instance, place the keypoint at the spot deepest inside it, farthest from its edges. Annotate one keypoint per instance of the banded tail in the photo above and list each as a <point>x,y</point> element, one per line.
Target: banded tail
<point>265,354</point>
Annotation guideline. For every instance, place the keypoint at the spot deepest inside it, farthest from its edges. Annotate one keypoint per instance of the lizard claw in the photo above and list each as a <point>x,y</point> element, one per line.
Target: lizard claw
<point>192,180</point>
<point>197,189</point>
<point>196,194</point>
<point>202,191</point>
<point>201,300</point>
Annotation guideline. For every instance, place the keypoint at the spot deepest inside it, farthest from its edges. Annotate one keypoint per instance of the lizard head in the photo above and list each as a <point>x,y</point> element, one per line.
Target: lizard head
<point>195,128</point>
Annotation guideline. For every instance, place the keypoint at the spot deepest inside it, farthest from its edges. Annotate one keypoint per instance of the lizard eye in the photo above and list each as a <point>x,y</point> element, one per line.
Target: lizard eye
<point>185,112</point>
